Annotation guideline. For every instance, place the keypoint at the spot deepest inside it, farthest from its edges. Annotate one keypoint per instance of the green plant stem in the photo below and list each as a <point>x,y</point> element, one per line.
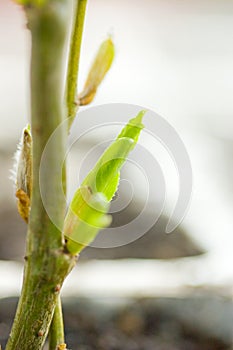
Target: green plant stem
<point>47,263</point>
<point>57,328</point>
<point>56,332</point>
<point>73,62</point>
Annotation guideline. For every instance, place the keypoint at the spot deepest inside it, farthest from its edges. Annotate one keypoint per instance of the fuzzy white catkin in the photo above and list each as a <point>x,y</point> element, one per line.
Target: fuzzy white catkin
<point>20,172</point>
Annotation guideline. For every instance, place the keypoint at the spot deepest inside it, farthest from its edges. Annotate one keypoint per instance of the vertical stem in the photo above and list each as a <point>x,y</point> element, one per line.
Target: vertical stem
<point>56,332</point>
<point>73,63</point>
<point>47,263</point>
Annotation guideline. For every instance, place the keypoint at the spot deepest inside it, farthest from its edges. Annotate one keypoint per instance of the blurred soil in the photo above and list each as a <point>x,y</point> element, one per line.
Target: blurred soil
<point>140,324</point>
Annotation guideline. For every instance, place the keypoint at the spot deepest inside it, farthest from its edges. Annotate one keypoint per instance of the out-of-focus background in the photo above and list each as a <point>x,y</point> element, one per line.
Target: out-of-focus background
<point>175,58</point>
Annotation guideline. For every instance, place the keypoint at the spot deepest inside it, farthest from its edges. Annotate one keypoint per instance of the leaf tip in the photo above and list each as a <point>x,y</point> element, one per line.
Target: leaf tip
<point>139,117</point>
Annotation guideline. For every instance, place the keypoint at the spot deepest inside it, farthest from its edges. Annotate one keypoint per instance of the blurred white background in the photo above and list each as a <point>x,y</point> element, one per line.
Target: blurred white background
<point>174,57</point>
